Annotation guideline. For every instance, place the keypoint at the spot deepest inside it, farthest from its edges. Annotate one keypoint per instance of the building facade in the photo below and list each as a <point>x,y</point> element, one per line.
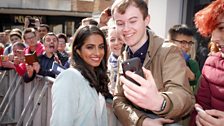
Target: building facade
<point>65,15</point>
<point>60,15</point>
<point>166,13</point>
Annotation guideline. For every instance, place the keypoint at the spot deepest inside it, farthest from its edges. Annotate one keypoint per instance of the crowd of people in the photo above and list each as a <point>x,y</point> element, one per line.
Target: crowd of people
<point>173,91</point>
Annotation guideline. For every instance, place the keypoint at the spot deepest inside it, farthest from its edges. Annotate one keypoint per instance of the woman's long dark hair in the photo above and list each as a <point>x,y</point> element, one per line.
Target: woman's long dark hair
<point>98,77</point>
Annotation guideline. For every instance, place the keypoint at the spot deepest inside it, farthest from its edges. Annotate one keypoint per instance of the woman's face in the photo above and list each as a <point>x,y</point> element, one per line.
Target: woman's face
<point>14,39</point>
<point>115,42</point>
<point>218,32</point>
<point>92,51</point>
<point>184,42</point>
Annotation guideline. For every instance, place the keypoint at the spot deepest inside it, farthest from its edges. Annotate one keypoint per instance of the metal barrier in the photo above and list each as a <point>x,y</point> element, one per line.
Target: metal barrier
<point>29,104</point>
<point>25,104</point>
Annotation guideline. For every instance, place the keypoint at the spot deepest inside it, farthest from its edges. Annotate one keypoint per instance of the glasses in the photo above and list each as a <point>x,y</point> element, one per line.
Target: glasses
<point>184,42</point>
<point>30,37</point>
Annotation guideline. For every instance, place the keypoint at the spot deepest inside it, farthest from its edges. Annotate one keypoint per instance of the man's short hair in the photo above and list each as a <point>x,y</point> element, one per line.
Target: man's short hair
<point>90,21</point>
<point>180,29</point>
<point>62,35</point>
<point>46,26</point>
<point>122,5</point>
<point>29,30</point>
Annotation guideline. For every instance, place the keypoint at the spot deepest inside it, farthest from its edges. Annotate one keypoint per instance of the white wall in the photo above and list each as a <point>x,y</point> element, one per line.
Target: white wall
<point>164,14</point>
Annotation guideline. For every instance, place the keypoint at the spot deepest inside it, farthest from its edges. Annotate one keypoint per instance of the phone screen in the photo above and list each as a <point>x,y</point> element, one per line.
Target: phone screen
<point>109,12</point>
<point>133,65</point>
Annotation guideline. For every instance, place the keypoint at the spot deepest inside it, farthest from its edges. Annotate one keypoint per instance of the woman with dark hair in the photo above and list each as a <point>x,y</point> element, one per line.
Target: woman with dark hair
<point>78,92</point>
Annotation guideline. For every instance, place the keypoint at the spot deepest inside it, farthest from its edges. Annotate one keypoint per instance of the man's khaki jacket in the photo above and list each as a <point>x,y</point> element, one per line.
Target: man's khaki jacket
<point>167,65</point>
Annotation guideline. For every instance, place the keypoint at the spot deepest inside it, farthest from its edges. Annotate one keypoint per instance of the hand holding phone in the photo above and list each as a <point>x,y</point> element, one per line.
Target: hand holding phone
<point>133,65</point>
<point>31,58</point>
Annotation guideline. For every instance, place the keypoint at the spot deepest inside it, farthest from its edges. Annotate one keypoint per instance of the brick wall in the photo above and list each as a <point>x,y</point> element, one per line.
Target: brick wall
<point>90,6</point>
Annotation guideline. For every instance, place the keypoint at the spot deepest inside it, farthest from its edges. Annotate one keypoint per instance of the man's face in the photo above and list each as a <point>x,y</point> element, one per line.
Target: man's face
<point>30,39</point>
<point>184,42</point>
<point>42,31</point>
<point>51,43</point>
<point>132,27</point>
<point>2,38</point>
<point>61,44</point>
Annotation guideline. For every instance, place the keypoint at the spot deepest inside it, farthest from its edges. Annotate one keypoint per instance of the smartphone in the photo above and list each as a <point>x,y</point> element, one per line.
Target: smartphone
<point>199,109</point>
<point>32,22</point>
<point>133,65</point>
<point>31,58</point>
<point>108,11</point>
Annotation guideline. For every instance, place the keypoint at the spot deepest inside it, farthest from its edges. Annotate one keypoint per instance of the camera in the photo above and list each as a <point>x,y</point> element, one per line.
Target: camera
<point>108,11</point>
<point>32,22</point>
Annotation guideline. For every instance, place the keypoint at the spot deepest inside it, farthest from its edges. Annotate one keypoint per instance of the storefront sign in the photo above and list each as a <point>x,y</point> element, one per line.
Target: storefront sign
<point>20,19</point>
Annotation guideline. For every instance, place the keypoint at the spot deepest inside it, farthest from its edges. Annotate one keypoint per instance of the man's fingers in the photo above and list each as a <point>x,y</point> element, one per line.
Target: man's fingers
<point>164,121</point>
<point>147,73</point>
<point>140,80</point>
<point>215,113</point>
<point>129,84</point>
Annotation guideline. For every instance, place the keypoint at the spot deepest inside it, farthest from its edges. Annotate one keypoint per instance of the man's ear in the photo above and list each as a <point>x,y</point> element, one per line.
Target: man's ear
<point>147,20</point>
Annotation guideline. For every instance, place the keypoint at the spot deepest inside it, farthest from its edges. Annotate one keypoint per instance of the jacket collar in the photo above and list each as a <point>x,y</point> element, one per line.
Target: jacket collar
<point>155,43</point>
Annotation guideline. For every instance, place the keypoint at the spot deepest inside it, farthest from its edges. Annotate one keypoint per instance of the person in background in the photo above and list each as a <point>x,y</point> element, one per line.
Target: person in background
<point>17,62</point>
<point>62,40</point>
<point>7,32</point>
<point>80,101</point>
<point>13,37</point>
<point>61,51</point>
<point>2,47</point>
<point>115,45</point>
<point>3,39</point>
<point>202,53</point>
<point>31,39</point>
<point>210,23</point>
<point>43,29</point>
<point>164,95</point>
<point>33,46</point>
<point>8,51</point>
<point>32,22</point>
<point>182,36</point>
<point>45,61</point>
